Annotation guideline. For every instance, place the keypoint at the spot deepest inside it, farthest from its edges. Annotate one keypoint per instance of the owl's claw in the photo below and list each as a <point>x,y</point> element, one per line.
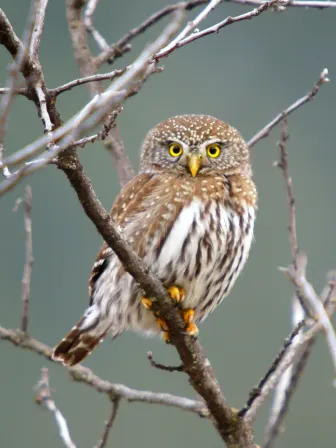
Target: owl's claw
<point>147,303</point>
<point>176,293</point>
<point>164,328</point>
<point>187,316</point>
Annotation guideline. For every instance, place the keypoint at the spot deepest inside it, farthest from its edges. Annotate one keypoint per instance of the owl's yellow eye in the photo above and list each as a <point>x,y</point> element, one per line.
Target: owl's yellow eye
<point>213,150</point>
<point>175,149</point>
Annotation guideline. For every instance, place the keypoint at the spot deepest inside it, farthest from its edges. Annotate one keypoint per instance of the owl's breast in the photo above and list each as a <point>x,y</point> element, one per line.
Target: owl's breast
<point>204,252</point>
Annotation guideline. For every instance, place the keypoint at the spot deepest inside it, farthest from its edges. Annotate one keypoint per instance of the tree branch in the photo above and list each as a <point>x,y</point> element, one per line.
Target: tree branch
<point>88,67</point>
<point>291,354</point>
<point>84,375</point>
<point>43,397</point>
<point>283,4</point>
<point>118,49</point>
<point>29,259</point>
<point>109,423</point>
<point>264,132</point>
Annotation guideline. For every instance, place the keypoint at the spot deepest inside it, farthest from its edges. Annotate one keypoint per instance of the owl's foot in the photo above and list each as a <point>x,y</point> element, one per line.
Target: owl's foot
<point>147,303</point>
<point>164,328</point>
<point>176,293</point>
<point>187,316</point>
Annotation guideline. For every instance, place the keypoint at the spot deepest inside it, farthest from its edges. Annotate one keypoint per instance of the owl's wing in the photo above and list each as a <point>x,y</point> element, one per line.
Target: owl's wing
<point>128,204</point>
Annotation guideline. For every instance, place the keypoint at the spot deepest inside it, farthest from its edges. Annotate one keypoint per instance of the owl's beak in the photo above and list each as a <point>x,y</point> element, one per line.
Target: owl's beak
<point>194,164</point>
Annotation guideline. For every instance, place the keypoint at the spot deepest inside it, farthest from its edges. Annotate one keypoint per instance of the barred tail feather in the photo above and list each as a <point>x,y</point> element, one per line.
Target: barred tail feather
<point>82,339</point>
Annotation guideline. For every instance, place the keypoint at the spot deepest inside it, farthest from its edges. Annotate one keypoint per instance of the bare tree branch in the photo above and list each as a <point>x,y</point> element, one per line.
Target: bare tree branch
<point>93,113</point>
<point>88,16</point>
<point>94,78</point>
<point>215,28</point>
<point>309,296</point>
<point>119,48</point>
<point>84,375</point>
<point>264,132</point>
<point>109,423</point>
<point>274,425</point>
<point>283,4</point>
<point>291,354</point>
<point>87,66</point>
<point>258,390</point>
<point>159,366</point>
<point>289,379</point>
<point>19,52</point>
<point>29,259</point>
<point>41,6</point>
<point>43,397</point>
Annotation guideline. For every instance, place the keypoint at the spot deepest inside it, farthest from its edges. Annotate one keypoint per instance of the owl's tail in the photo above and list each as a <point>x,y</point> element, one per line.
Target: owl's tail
<point>83,338</point>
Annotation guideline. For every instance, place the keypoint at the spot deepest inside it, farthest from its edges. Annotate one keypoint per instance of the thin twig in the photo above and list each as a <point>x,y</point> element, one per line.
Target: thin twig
<point>17,91</point>
<point>290,3</point>
<point>289,379</point>
<point>29,260</point>
<point>273,427</point>
<point>264,132</point>
<point>215,28</point>
<point>77,82</point>
<point>43,397</point>
<point>159,366</point>
<point>50,157</point>
<point>257,391</point>
<point>95,111</point>
<point>283,165</point>
<point>292,354</point>
<point>192,25</point>
<point>109,423</point>
<point>309,296</point>
<point>84,375</point>
<point>122,45</point>
<point>88,16</point>
<point>19,51</point>
<point>86,63</point>
<point>41,6</point>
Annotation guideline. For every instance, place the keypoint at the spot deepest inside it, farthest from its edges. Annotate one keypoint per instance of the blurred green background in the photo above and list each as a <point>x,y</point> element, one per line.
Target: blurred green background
<point>245,75</point>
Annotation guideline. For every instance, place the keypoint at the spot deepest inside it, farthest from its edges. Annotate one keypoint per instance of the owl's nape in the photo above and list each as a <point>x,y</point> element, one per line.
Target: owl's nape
<point>189,214</point>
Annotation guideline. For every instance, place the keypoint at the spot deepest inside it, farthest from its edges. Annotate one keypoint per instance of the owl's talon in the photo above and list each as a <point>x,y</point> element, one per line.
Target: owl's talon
<point>147,303</point>
<point>187,316</point>
<point>192,330</point>
<point>166,337</point>
<point>164,328</point>
<point>176,293</point>
<point>162,324</point>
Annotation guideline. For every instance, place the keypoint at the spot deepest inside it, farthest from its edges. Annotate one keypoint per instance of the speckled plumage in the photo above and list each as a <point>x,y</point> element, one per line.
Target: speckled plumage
<point>192,231</point>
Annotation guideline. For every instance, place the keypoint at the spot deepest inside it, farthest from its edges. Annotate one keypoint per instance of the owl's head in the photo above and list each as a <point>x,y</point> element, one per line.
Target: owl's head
<point>195,145</point>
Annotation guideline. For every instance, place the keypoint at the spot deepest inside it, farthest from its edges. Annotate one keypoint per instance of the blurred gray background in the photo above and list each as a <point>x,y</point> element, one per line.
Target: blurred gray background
<point>245,75</point>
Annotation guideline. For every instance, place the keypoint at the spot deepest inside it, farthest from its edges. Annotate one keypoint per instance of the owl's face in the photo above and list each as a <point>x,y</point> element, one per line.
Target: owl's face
<point>195,145</point>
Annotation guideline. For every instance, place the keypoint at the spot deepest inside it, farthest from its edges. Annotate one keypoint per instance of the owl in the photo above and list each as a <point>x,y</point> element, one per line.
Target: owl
<point>189,214</point>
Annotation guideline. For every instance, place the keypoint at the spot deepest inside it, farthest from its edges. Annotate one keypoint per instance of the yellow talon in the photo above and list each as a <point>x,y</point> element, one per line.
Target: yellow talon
<point>177,294</point>
<point>187,316</point>
<point>166,337</point>
<point>162,324</point>
<point>147,303</point>
<point>164,328</point>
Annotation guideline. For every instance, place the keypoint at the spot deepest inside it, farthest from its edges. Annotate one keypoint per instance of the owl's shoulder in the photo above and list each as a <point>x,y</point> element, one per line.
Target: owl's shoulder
<point>243,191</point>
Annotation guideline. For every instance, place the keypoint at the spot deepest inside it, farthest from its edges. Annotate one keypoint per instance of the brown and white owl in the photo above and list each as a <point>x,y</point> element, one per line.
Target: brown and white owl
<point>189,214</point>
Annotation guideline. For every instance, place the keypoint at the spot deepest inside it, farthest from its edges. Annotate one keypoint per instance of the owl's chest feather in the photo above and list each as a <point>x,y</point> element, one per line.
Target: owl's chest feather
<point>204,252</point>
